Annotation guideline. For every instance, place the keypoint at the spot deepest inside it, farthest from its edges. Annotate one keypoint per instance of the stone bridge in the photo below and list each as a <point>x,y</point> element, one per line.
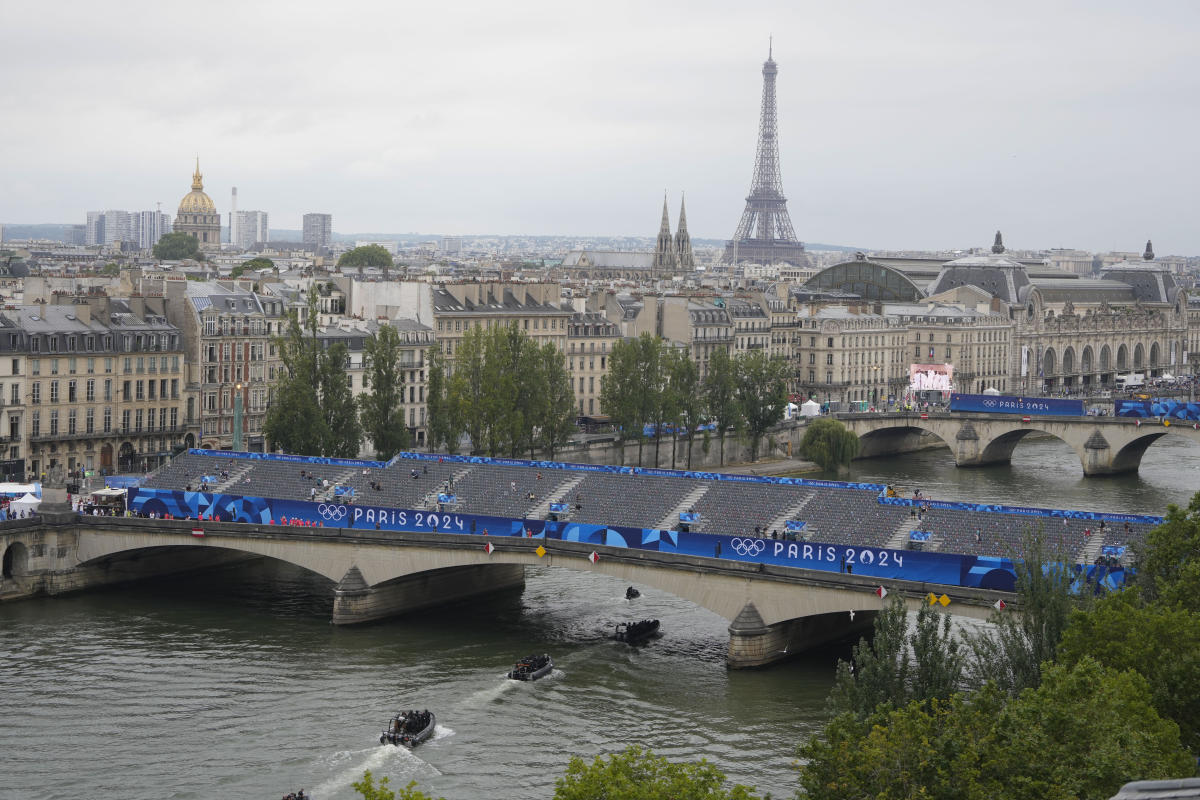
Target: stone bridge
<point>773,611</point>
<point>1105,445</point>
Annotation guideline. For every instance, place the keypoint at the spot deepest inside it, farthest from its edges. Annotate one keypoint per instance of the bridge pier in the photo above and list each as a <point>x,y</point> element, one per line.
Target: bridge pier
<point>752,643</point>
<point>355,602</point>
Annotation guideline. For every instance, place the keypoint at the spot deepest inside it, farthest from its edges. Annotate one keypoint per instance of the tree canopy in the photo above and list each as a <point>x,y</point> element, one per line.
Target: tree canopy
<point>637,774</point>
<point>828,444</point>
<point>252,265</point>
<point>369,255</point>
<point>382,408</point>
<point>178,246</point>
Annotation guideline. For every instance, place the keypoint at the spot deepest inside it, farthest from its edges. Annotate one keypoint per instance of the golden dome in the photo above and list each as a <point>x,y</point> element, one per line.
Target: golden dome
<point>196,201</point>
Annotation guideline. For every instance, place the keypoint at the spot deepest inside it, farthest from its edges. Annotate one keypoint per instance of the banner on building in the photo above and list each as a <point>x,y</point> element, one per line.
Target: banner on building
<point>1024,361</point>
<point>931,377</point>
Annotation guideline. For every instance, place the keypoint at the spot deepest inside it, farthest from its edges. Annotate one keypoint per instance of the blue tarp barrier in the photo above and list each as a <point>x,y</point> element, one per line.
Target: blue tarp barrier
<point>1157,407</point>
<point>793,525</point>
<point>1054,513</point>
<point>447,498</point>
<point>560,508</point>
<point>1113,550</point>
<point>1007,404</point>
<point>122,481</point>
<point>689,516</point>
<point>343,491</point>
<point>919,536</point>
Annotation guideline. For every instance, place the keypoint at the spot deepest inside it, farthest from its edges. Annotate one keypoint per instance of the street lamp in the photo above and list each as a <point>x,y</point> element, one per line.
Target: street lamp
<point>237,417</point>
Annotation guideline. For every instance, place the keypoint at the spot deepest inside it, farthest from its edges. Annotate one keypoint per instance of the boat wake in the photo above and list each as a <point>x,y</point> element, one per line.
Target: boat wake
<point>489,695</point>
<point>439,732</point>
<point>351,764</point>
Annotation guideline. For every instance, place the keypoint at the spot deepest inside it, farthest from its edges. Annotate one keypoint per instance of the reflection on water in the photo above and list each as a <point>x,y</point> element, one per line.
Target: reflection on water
<point>232,683</point>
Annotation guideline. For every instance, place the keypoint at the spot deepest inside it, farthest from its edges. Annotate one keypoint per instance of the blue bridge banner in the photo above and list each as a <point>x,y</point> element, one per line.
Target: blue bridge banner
<point>1167,409</point>
<point>1006,404</point>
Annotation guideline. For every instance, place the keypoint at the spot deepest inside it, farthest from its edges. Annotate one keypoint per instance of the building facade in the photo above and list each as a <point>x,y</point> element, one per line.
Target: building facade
<point>250,228</point>
<point>590,341</point>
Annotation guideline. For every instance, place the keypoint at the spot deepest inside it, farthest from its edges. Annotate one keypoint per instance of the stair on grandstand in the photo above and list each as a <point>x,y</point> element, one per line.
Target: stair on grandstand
<point>235,475</point>
<point>341,479</point>
<point>780,522</point>
<point>1091,549</point>
<point>671,520</point>
<point>430,500</point>
<point>900,537</point>
<point>542,510</point>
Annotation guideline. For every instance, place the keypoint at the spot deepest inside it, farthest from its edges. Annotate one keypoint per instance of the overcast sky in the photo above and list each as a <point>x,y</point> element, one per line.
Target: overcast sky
<point>902,125</point>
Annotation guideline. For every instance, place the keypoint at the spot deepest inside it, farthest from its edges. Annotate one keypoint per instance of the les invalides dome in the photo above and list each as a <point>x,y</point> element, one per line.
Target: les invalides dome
<point>198,216</point>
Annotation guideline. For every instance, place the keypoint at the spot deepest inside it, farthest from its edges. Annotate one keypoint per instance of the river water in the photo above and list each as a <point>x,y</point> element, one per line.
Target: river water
<point>231,683</point>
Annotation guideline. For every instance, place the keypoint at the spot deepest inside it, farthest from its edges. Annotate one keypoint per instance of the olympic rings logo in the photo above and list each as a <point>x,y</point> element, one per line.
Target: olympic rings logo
<point>330,512</point>
<point>748,547</point>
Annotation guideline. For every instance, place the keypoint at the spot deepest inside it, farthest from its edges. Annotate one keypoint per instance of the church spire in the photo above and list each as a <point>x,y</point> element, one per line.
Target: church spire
<point>683,241</point>
<point>197,178</point>
<point>665,257</point>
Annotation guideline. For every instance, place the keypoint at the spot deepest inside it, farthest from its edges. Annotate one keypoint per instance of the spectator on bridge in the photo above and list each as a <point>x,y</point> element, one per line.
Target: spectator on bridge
<point>717,549</point>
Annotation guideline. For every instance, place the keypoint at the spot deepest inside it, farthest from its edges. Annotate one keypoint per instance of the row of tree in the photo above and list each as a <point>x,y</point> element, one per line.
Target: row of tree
<point>507,393</point>
<point>315,411</point>
<point>652,382</point>
<point>1064,696</point>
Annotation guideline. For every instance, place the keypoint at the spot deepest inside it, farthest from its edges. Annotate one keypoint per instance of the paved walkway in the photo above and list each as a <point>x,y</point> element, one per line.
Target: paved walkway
<point>782,466</point>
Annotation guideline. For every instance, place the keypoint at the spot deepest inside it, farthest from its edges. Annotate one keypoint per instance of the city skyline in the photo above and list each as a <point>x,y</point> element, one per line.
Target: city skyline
<point>1064,126</point>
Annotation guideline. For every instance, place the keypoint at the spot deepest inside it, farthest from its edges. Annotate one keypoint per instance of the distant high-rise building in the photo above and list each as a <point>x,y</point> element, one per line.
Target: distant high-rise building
<point>765,232</point>
<point>109,227</point>
<point>318,230</point>
<point>148,227</point>
<point>249,228</point>
<point>451,245</point>
<point>198,215</point>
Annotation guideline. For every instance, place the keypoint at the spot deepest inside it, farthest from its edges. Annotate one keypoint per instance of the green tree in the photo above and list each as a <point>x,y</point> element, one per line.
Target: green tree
<point>761,393</point>
<point>445,425</point>
<point>1160,642</point>
<point>618,392</point>
<point>382,406</point>
<point>689,398</point>
<point>828,444</point>
<point>178,246</point>
<point>369,790</point>
<point>251,265</point>
<point>1168,560</point>
<point>467,389</point>
<point>1011,652</point>
<point>557,422</point>
<point>369,255</point>
<point>720,394</point>
<point>1081,734</point>
<point>648,387</point>
<point>637,774</point>
<point>897,667</point>
<point>337,404</point>
<point>294,420</point>
<point>110,268</point>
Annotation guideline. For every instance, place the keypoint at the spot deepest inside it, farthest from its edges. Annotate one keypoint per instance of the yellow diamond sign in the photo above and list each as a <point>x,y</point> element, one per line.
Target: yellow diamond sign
<point>541,551</point>
<point>945,601</point>
<point>931,597</point>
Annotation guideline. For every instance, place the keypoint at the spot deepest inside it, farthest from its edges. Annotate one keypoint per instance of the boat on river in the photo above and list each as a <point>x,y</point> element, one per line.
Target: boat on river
<point>632,593</point>
<point>409,728</point>
<point>635,633</point>
<point>531,668</point>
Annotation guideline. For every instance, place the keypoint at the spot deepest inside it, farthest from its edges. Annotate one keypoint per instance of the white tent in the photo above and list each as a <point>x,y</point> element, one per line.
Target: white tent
<point>991,390</point>
<point>26,503</point>
<point>810,408</point>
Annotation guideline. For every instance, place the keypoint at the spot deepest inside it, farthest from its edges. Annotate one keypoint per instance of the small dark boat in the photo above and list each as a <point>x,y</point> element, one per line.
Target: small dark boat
<point>635,633</point>
<point>632,593</point>
<point>531,668</point>
<point>409,728</point>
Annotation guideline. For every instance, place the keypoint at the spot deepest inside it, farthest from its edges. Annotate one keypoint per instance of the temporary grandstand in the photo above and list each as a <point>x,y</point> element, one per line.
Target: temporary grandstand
<point>736,505</point>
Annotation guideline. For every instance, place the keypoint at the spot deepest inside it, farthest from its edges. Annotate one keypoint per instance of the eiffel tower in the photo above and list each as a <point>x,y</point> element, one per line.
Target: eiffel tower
<point>765,233</point>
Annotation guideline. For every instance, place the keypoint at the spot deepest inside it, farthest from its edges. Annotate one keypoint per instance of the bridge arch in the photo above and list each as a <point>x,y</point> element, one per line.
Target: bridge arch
<point>885,441</point>
<point>15,560</point>
<point>1000,448</point>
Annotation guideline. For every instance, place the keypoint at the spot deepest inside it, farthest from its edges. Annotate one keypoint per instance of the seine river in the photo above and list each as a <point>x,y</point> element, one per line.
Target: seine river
<point>232,683</point>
